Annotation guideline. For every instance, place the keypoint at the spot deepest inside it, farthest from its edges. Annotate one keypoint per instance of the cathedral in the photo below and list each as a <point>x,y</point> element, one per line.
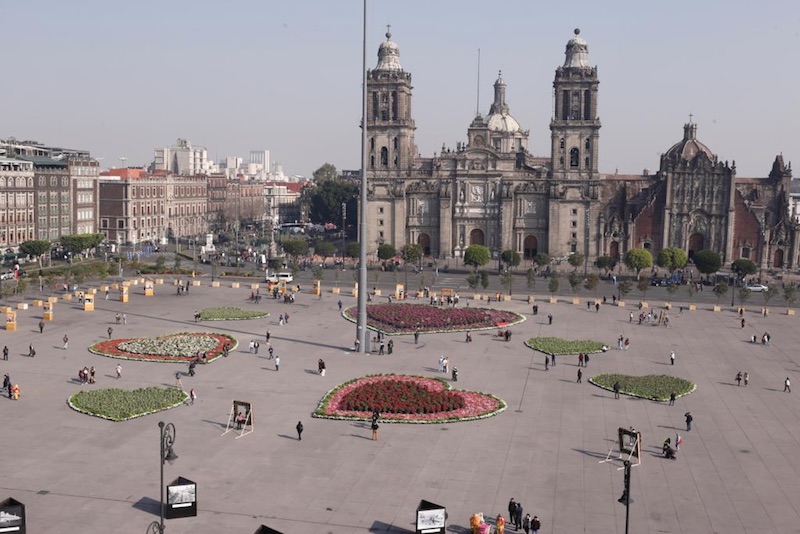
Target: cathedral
<point>491,191</point>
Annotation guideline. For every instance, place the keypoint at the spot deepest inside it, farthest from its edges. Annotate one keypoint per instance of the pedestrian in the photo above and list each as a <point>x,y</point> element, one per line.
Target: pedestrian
<point>672,397</point>
<point>118,318</point>
<point>178,383</point>
<point>746,378</point>
<point>616,389</point>
<point>518,516</point>
<point>340,304</point>
<point>382,346</point>
<point>678,441</point>
<point>580,360</point>
<point>286,318</point>
<point>106,293</point>
<point>469,337</point>
<point>441,364</point>
<point>110,331</point>
<point>630,317</point>
<point>787,386</point>
<point>416,337</point>
<point>549,318</point>
<point>5,352</point>
<point>31,351</point>
<point>192,366</point>
<point>124,318</point>
<point>299,429</point>
<point>446,364</point>
<point>500,524</point>
<point>455,374</point>
<point>41,326</point>
<point>580,375</point>
<point>672,358</point>
<point>512,508</point>
<point>277,363</point>
<point>8,386</point>
<point>119,371</point>
<point>268,335</point>
<point>6,381</point>
<point>256,345</point>
<point>546,362</point>
<point>66,341</point>
<point>280,320</point>
<point>553,360</point>
<point>252,347</point>
<point>742,323</point>
<point>526,521</point>
<point>375,427</point>
<point>390,346</point>
<point>192,397</point>
<point>689,419</point>
<point>739,378</point>
<point>271,352</point>
<point>535,525</point>
<point>627,343</point>
<point>586,360</point>
<point>91,375</point>
<point>597,307</point>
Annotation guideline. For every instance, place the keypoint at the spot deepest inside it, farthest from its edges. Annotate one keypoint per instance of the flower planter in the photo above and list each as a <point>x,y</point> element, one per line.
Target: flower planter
<point>692,307</point>
<point>22,306</point>
<point>789,311</point>
<point>335,290</point>
<point>377,292</point>
<point>476,296</point>
<point>621,303</point>
<point>717,308</point>
<point>38,303</point>
<point>576,301</point>
<point>215,283</point>
<point>254,286</point>
<point>235,285</point>
<point>553,300</point>
<point>196,283</point>
<point>667,306</point>
<point>645,304</point>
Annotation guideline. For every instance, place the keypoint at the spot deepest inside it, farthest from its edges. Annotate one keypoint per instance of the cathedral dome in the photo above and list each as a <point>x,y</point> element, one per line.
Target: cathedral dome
<point>499,119</point>
<point>389,54</point>
<point>577,52</point>
<point>503,122</point>
<point>689,147</point>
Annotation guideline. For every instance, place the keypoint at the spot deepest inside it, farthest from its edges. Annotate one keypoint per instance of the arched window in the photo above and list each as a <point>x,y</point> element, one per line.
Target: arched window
<point>384,157</point>
<point>371,144</point>
<point>746,253</point>
<point>372,162</point>
<point>588,144</point>
<point>396,143</point>
<point>586,163</point>
<point>562,144</point>
<point>574,157</point>
<point>561,161</point>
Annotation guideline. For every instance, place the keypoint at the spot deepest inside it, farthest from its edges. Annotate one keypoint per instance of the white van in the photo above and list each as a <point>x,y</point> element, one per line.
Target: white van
<point>279,277</point>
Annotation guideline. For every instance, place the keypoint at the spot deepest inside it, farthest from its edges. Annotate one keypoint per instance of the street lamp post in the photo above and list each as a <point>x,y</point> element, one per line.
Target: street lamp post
<point>167,455</point>
<point>344,230</point>
<point>626,494</point>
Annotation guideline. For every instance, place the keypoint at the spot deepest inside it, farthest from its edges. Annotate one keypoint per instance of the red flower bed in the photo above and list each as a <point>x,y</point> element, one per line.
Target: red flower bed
<point>406,399</point>
<point>400,318</point>
<point>112,348</point>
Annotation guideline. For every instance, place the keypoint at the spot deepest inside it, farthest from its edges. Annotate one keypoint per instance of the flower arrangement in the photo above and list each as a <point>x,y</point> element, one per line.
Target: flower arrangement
<point>120,405</point>
<point>226,313</point>
<point>406,399</point>
<point>181,347</point>
<point>402,318</point>
<point>653,387</point>
<point>558,346</point>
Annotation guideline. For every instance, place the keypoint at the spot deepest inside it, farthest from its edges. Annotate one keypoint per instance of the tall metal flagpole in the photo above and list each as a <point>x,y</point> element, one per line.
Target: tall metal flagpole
<point>361,325</point>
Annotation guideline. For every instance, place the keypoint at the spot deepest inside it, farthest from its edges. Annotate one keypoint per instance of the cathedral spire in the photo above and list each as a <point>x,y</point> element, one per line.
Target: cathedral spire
<point>499,105</point>
<point>577,52</point>
<point>388,53</point>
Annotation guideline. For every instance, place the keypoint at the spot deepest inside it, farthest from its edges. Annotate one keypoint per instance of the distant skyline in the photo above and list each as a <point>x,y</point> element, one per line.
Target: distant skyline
<point>121,79</point>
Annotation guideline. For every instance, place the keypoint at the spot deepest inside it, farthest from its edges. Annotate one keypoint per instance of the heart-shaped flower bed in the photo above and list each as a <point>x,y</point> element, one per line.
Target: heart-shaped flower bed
<point>121,404</point>
<point>653,387</point>
<point>182,347</point>
<point>406,399</point>
<point>401,318</point>
<point>557,346</point>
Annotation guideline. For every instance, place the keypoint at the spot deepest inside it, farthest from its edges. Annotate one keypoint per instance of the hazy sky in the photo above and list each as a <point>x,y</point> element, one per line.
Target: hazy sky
<point>121,78</point>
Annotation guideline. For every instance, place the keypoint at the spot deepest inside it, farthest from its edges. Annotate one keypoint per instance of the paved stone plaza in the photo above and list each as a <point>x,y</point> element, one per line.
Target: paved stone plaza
<point>736,472</point>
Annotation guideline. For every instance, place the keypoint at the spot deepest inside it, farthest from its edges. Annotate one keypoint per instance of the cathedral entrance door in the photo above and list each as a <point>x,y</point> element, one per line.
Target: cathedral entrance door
<point>696,242</point>
<point>424,241</point>
<point>613,250</point>
<point>530,247</point>
<point>476,237</point>
<point>777,261</point>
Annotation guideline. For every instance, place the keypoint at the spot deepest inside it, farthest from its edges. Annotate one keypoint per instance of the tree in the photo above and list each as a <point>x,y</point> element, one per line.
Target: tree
<point>325,173</point>
<point>790,294</point>
<point>484,279</point>
<point>691,289</point>
<point>575,259</point>
<point>507,279</point>
<point>511,258</point>
<point>638,259</point>
<point>591,282</point>
<point>473,279</point>
<point>352,250</point>
<point>295,246</point>
<point>707,261</point>
<point>720,290</point>
<point>744,294</point>
<point>318,273</point>
<point>552,287</point>
<point>325,202</point>
<point>769,294</point>
<point>386,251</point>
<point>161,262</point>
<point>476,256</point>
<point>643,284</point>
<point>541,259</point>
<point>623,288</point>
<point>411,253</point>
<point>575,281</point>
<point>672,259</point>
<point>177,264</point>
<point>325,249</point>
<point>672,289</point>
<point>744,267</point>
<point>35,248</point>
<point>530,279</point>
<point>607,263</point>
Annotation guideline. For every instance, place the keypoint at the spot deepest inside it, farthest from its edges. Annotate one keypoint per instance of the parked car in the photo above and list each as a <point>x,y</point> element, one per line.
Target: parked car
<point>757,288</point>
<point>659,282</point>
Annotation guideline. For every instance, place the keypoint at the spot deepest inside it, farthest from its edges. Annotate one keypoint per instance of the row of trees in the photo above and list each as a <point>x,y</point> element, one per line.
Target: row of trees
<point>74,244</point>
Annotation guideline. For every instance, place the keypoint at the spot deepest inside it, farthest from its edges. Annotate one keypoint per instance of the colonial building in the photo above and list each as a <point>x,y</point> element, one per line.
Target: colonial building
<point>491,191</point>
<point>17,222</point>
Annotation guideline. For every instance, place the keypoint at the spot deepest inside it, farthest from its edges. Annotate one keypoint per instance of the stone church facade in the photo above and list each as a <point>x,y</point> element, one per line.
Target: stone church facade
<point>491,191</point>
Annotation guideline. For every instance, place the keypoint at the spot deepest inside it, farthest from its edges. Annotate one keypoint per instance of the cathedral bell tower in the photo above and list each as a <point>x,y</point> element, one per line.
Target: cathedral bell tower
<point>390,128</point>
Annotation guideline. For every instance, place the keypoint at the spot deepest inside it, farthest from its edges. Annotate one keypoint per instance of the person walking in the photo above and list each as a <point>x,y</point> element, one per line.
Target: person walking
<point>739,378</point>
<point>299,429</point>
<point>630,317</point>
<point>500,524</point>
<point>5,352</point>
<point>416,337</point>
<point>192,397</point>
<point>455,374</point>
<point>550,318</point>
<point>382,347</point>
<point>616,389</point>
<point>512,508</point>
<point>580,375</point>
<point>441,364</point>
<point>517,519</point>
<point>526,523</point>
<point>535,525</point>
<point>580,360</point>
<point>340,304</point>
<point>390,346</point>
<point>743,323</point>
<point>31,350</point>
<point>689,419</point>
<point>110,331</point>
<point>41,326</point>
<point>672,358</point>
<point>746,378</point>
<point>446,365</point>
<point>268,335</point>
<point>586,360</point>
<point>92,372</point>
<point>66,341</point>
<point>178,383</point>
<point>375,427</point>
<point>277,363</point>
<point>672,397</point>
<point>546,362</point>
<point>119,371</point>
<point>124,318</point>
<point>106,293</point>
<point>787,386</point>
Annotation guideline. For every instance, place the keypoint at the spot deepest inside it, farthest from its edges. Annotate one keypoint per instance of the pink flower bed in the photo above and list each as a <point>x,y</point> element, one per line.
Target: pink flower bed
<point>401,318</point>
<point>476,405</point>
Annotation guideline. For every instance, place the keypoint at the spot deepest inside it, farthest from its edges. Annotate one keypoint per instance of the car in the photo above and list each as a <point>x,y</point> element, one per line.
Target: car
<point>757,288</point>
<point>659,282</point>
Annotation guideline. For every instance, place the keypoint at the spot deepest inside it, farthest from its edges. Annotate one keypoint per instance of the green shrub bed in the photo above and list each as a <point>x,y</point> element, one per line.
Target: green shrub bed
<point>121,404</point>
<point>230,314</point>
<point>558,346</point>
<point>653,387</point>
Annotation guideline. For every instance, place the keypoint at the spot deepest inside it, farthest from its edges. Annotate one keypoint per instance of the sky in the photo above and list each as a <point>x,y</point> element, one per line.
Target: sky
<point>122,78</point>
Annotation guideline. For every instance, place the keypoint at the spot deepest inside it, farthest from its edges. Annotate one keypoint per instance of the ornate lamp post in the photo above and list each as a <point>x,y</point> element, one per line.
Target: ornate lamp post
<point>167,455</point>
<point>626,494</point>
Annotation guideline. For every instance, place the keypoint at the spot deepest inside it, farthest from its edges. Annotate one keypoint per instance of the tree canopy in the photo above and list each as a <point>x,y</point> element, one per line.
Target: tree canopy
<point>575,259</point>
<point>638,259</point>
<point>744,267</point>
<point>325,249</point>
<point>707,261</point>
<point>35,248</point>
<point>352,249</point>
<point>326,172</point>
<point>77,243</point>
<point>412,253</point>
<point>672,258</point>
<point>325,202</point>
<point>541,259</point>
<point>386,251</point>
<point>476,256</point>
<point>295,246</point>
<point>511,258</point>
<point>606,263</point>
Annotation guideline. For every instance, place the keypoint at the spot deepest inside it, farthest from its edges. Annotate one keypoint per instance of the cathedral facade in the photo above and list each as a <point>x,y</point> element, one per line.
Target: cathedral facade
<point>491,191</point>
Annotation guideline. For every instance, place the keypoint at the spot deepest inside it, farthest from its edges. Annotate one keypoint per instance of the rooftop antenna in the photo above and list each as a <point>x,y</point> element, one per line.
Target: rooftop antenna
<point>122,160</point>
<point>478,100</point>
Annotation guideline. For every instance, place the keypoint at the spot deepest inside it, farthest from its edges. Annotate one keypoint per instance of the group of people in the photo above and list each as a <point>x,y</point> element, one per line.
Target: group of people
<point>742,376</point>
<point>86,375</point>
<point>11,389</point>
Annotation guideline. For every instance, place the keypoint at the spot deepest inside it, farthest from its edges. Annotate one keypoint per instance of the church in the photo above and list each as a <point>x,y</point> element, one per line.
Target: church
<point>491,191</point>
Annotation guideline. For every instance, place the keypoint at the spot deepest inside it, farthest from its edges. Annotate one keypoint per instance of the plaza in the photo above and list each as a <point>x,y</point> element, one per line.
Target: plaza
<point>736,472</point>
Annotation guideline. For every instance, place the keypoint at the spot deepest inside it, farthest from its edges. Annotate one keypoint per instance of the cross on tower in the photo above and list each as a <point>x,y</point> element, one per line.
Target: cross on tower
<point>690,117</point>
